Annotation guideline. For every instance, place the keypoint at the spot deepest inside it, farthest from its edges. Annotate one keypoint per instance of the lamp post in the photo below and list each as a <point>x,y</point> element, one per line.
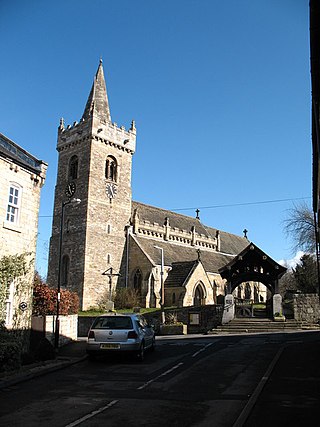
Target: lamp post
<point>163,317</point>
<point>73,202</point>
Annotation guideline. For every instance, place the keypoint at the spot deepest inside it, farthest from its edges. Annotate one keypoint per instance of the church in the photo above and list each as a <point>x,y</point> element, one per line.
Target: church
<point>102,239</point>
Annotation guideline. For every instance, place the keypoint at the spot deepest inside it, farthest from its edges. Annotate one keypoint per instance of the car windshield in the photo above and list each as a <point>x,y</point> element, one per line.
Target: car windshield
<point>112,322</point>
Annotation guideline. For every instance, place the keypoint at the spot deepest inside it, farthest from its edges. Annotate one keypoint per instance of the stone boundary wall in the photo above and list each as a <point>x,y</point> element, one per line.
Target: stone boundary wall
<point>68,328</point>
<point>306,308</point>
<point>199,319</point>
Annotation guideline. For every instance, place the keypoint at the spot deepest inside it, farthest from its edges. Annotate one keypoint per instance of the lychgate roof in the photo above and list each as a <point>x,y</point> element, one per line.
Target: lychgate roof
<point>252,264</point>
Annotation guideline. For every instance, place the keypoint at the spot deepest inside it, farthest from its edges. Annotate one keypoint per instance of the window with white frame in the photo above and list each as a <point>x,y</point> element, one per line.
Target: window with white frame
<point>13,204</point>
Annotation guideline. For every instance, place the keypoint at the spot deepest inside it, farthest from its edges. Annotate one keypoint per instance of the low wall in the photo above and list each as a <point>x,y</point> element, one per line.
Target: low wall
<point>46,325</point>
<point>306,308</point>
<point>199,319</point>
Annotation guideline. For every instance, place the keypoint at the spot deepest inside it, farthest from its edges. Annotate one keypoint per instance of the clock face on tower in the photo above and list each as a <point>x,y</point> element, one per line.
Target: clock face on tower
<point>111,190</point>
<point>70,189</point>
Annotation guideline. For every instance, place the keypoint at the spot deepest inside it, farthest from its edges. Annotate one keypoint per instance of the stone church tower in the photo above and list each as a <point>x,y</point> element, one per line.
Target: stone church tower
<point>95,159</point>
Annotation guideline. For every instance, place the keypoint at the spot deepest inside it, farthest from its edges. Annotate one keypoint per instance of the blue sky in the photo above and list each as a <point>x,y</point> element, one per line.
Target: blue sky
<point>220,91</point>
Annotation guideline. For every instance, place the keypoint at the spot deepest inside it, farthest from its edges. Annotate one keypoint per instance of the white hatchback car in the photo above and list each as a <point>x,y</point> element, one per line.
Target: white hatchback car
<point>112,332</point>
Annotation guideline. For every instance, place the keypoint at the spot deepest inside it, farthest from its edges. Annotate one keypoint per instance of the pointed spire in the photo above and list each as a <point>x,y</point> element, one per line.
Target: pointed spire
<point>97,103</point>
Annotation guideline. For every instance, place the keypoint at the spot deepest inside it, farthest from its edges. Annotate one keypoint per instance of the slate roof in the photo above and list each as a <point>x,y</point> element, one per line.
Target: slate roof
<point>174,253</point>
<point>252,255</point>
<point>180,272</point>
<point>13,151</point>
<point>154,214</point>
<point>230,243</point>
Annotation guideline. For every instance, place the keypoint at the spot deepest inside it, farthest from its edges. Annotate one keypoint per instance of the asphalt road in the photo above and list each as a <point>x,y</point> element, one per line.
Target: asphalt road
<point>208,381</point>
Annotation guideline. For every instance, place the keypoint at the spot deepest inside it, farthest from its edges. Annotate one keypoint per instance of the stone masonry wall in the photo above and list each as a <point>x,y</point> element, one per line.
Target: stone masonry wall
<point>209,318</point>
<point>94,230</point>
<point>20,237</point>
<point>68,328</point>
<point>306,308</point>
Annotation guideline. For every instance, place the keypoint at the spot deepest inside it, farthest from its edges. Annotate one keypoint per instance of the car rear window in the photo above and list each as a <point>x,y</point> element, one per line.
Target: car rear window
<point>112,322</point>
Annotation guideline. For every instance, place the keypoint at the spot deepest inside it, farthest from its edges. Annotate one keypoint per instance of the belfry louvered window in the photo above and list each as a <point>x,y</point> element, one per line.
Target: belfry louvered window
<point>73,167</point>
<point>111,169</point>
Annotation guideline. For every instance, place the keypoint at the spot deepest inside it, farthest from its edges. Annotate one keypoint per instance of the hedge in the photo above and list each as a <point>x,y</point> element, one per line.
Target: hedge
<point>45,301</point>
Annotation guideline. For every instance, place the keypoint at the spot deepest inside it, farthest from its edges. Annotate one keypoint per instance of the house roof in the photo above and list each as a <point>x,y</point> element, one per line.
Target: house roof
<point>13,151</point>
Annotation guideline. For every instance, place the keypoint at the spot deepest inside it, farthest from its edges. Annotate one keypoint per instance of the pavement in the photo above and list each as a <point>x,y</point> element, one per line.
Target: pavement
<point>288,394</point>
<point>69,354</point>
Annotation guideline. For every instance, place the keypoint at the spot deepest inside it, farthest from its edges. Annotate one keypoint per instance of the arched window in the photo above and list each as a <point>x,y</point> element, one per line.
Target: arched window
<point>247,291</point>
<point>65,266</point>
<point>111,169</point>
<point>73,168</point>
<point>173,298</point>
<point>199,295</point>
<point>137,281</point>
<point>152,301</point>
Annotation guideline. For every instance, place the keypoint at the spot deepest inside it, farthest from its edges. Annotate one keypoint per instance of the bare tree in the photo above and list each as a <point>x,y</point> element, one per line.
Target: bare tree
<point>299,227</point>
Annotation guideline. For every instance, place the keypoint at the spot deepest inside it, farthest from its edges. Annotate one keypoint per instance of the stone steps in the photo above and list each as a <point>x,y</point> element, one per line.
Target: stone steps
<point>260,325</point>
<point>260,313</point>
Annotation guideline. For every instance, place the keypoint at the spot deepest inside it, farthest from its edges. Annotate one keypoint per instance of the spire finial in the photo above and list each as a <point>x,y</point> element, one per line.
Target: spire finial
<point>197,213</point>
<point>245,232</point>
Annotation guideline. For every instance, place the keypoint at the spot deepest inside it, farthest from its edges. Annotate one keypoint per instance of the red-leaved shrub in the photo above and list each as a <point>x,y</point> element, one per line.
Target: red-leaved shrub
<point>45,301</point>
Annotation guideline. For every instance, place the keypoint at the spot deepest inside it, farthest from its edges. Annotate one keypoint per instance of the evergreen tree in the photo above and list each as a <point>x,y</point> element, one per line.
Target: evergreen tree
<point>305,274</point>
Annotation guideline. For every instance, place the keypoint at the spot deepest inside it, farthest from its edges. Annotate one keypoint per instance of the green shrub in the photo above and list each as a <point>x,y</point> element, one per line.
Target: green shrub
<point>10,350</point>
